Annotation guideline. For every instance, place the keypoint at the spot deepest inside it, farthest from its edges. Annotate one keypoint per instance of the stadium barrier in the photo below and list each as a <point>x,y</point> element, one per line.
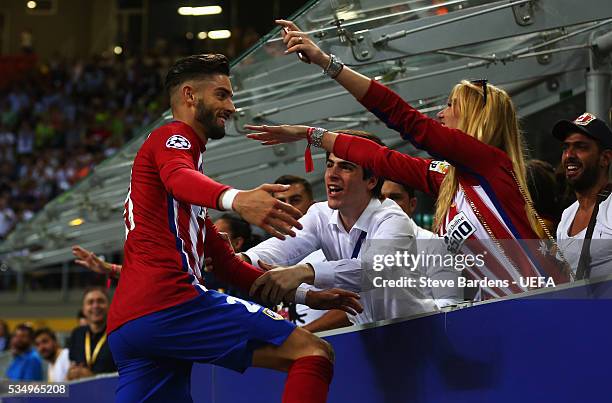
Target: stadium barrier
<point>545,346</point>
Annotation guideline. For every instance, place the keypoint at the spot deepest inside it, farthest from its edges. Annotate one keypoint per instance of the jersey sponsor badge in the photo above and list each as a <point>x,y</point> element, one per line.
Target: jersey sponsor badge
<point>272,314</point>
<point>439,166</point>
<point>179,142</point>
<point>458,230</point>
<point>584,119</point>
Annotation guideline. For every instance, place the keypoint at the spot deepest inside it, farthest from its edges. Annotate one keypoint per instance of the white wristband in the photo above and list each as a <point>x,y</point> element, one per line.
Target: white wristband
<point>300,293</point>
<point>227,200</point>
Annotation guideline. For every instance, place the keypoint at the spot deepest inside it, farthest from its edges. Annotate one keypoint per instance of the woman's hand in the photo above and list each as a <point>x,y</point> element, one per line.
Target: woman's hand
<point>270,135</point>
<point>296,40</point>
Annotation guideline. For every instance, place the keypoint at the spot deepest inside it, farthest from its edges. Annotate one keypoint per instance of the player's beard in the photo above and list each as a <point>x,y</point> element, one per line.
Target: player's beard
<point>206,117</point>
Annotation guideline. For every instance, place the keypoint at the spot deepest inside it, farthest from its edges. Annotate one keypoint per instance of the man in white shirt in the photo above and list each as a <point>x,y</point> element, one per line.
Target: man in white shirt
<point>353,216</point>
<point>56,357</point>
<point>586,159</point>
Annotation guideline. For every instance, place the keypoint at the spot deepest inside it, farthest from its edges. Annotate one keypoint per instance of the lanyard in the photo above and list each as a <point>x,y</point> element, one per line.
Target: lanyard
<point>358,245</point>
<point>88,356</point>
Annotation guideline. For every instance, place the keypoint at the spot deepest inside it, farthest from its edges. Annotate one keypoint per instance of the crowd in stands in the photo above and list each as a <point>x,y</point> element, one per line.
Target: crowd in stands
<point>64,118</point>
<point>37,355</point>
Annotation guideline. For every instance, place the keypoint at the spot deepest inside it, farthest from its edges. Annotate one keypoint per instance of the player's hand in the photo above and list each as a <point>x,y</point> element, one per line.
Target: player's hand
<point>271,135</point>
<point>258,207</point>
<point>296,40</point>
<point>334,298</point>
<point>89,260</point>
<point>274,285</point>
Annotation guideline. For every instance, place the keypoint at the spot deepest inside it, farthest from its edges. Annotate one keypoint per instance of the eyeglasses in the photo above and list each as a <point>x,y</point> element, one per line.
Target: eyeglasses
<point>483,83</point>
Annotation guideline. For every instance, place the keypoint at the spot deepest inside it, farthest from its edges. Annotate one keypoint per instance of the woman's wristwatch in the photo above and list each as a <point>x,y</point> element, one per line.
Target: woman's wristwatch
<point>334,67</point>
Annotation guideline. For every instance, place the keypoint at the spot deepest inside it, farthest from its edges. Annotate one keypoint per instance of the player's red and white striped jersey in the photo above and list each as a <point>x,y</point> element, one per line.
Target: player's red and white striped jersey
<point>168,232</point>
<point>488,204</point>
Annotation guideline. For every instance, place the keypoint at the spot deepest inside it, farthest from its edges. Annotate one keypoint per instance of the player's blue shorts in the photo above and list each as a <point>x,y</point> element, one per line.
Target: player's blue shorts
<point>155,353</point>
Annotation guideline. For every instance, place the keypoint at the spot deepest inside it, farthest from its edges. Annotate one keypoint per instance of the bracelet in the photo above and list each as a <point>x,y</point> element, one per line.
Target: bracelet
<point>334,67</point>
<point>315,137</point>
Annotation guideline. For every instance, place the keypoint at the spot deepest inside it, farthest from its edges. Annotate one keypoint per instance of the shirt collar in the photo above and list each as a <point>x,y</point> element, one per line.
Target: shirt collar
<point>363,222</point>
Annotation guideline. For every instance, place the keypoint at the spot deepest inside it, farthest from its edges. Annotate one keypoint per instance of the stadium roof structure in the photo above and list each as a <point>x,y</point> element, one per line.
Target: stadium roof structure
<point>538,50</point>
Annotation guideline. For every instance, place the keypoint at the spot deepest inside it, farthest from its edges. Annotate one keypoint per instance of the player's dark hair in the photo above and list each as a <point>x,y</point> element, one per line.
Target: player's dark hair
<point>195,67</point>
<point>295,180</point>
<point>367,173</point>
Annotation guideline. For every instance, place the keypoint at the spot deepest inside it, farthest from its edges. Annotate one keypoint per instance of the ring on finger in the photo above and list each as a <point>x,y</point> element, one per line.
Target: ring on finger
<point>300,39</point>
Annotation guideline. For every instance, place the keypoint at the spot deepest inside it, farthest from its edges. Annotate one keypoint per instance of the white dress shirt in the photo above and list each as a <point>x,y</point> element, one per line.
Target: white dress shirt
<point>323,229</point>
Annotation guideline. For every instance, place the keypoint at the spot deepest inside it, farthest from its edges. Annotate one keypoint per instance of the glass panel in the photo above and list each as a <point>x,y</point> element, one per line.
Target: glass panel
<point>267,80</point>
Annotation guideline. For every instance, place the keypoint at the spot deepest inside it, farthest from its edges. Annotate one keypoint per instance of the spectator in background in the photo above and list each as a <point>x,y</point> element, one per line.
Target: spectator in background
<point>300,196</point>
<point>238,231</point>
<point>241,238</point>
<point>89,351</point>
<point>5,336</point>
<point>56,357</point>
<point>542,184</point>
<point>26,364</point>
<point>428,243</point>
<point>586,158</point>
<point>402,194</point>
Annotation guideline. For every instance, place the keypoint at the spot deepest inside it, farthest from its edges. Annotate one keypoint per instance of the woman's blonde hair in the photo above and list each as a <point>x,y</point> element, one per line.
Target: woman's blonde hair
<point>494,123</point>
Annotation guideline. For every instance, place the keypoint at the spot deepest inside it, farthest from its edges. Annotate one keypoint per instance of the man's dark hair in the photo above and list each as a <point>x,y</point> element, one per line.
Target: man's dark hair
<point>195,67</point>
<point>47,331</point>
<point>295,180</point>
<point>407,188</point>
<point>26,328</point>
<point>367,173</point>
<point>239,228</point>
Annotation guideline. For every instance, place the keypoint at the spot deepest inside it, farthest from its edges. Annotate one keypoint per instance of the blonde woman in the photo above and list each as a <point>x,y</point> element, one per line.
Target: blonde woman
<point>478,174</point>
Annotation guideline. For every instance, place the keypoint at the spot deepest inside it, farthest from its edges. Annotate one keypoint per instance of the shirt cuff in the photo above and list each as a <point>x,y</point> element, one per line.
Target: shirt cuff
<point>324,274</point>
<point>253,256</point>
<point>300,293</point>
<point>227,200</point>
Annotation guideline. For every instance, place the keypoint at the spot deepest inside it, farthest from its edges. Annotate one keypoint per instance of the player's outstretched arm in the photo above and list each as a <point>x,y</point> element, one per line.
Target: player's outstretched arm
<point>257,206</point>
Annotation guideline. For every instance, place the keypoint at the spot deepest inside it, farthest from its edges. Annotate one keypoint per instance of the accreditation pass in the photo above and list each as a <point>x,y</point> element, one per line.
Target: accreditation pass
<point>33,389</point>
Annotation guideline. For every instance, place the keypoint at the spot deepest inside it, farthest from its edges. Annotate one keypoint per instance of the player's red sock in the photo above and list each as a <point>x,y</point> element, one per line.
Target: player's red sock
<point>308,380</point>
